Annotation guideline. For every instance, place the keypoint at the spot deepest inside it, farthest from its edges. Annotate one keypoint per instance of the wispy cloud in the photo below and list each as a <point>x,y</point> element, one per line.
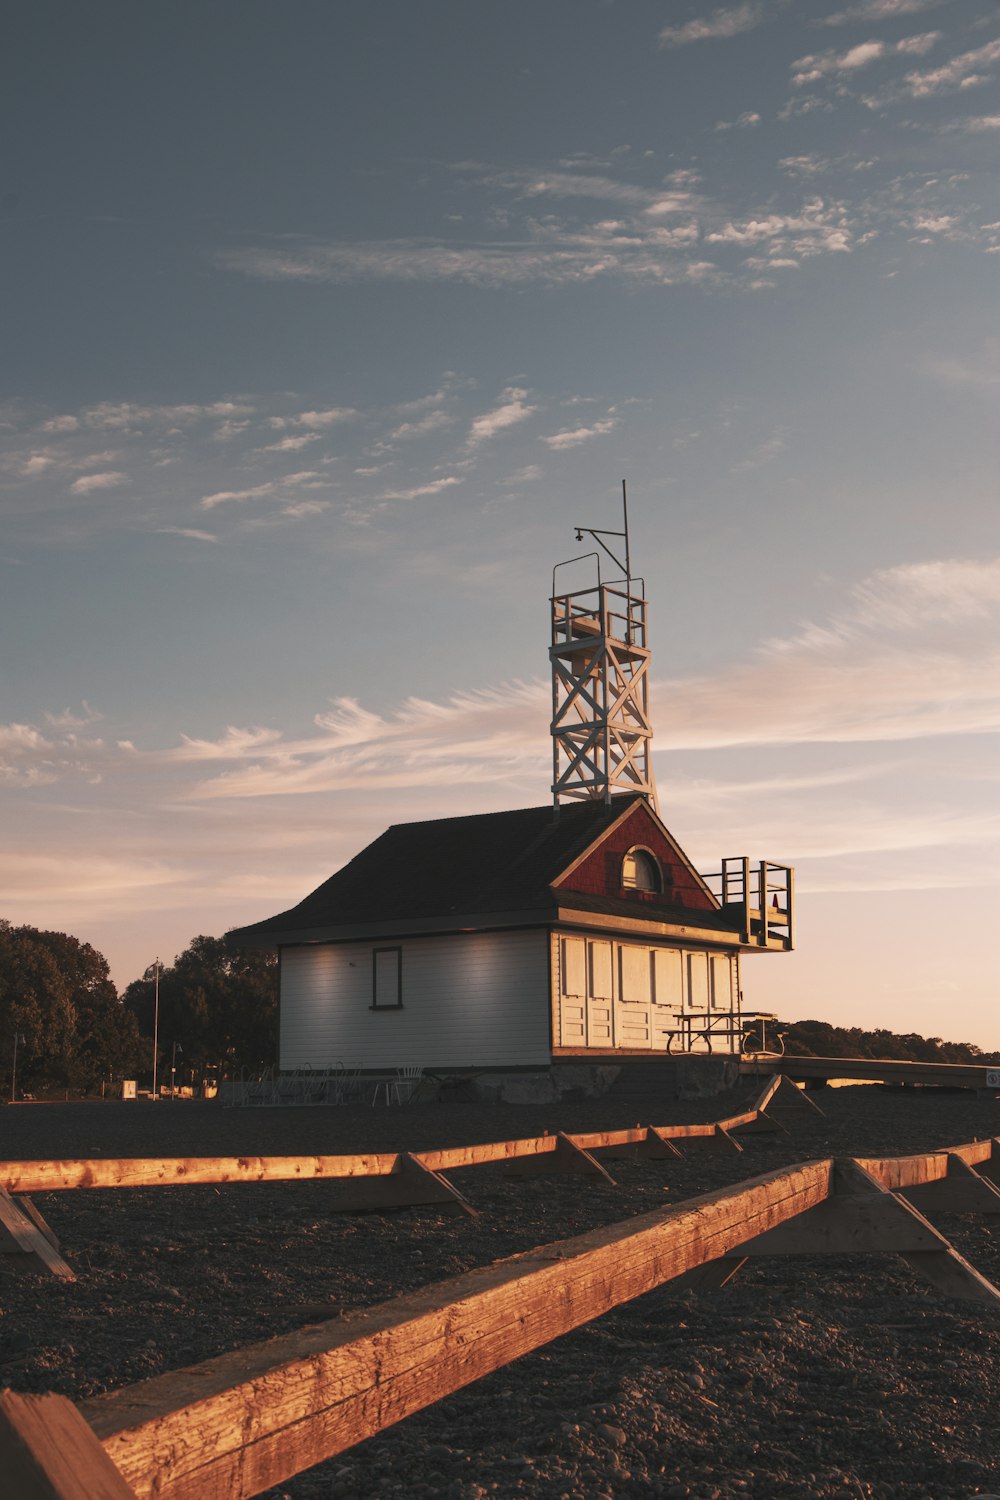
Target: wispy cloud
<point>473,737</point>
<point>122,415</point>
<point>967,70</point>
<point>572,437</point>
<point>820,227</point>
<point>515,407</point>
<point>746,121</point>
<point>979,124</point>
<point>418,491</point>
<point>982,371</point>
<point>762,453</point>
<point>292,443</point>
<point>719,25</point>
<point>71,719</point>
<point>879,10</point>
<point>821,64</point>
<point>324,419</point>
<point>912,655</point>
<point>228,430</point>
<point>300,509</point>
<point>253,492</point>
<point>527,474</point>
<point>191,532</point>
<point>915,654</point>
<point>262,491</point>
<point>662,234</point>
<point>917,46</point>
<point>65,423</point>
<point>89,482</point>
<point>432,421</point>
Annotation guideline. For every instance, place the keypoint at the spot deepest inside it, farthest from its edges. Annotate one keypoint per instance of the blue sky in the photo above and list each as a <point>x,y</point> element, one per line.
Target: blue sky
<point>326,324</point>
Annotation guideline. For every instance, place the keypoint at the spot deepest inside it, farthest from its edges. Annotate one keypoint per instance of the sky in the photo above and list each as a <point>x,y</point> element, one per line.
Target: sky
<point>323,328</point>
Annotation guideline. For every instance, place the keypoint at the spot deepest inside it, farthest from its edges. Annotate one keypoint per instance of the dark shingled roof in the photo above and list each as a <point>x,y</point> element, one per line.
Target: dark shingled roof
<point>489,862</point>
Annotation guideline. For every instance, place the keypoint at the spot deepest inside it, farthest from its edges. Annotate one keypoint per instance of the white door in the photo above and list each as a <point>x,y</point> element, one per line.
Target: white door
<point>668,994</point>
<point>572,992</point>
<point>722,982</point>
<point>697,985</point>
<point>632,1013</point>
<point>600,995</point>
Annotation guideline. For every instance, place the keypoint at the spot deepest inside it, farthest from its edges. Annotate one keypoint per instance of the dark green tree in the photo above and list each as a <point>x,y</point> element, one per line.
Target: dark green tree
<point>218,1002</point>
<point>813,1038</point>
<point>36,1004</point>
<point>57,996</point>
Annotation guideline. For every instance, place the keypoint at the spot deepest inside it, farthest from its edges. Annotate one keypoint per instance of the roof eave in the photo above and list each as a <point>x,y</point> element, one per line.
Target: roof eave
<point>575,916</point>
<point>446,922</point>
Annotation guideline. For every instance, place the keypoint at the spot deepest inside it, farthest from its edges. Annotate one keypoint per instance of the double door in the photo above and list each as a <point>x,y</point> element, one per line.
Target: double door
<point>614,994</point>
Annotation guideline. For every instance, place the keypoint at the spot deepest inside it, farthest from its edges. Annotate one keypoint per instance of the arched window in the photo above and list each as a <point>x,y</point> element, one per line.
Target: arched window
<point>641,871</point>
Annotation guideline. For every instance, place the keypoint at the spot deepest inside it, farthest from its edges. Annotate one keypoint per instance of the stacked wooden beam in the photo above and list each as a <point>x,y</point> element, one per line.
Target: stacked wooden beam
<point>394,1179</point>
<point>235,1425</point>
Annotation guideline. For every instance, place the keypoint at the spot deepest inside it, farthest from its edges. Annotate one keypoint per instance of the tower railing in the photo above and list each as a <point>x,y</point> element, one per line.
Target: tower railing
<point>759,895</point>
<point>601,610</point>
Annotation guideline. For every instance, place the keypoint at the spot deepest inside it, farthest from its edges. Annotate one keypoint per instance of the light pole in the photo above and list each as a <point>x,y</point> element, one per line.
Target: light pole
<point>18,1037</point>
<point>153,973</point>
<point>173,1068</point>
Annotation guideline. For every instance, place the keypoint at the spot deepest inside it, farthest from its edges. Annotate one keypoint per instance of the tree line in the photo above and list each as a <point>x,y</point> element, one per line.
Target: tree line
<point>218,1013</point>
<point>821,1039</point>
<point>71,1029</point>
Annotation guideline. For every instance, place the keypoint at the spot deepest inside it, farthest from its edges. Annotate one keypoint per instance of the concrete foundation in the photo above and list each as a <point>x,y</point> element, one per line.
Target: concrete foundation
<point>690,1077</point>
<point>695,1076</point>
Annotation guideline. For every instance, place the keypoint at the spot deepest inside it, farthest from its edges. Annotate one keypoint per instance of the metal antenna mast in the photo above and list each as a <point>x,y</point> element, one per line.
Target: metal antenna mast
<point>582,531</point>
<point>601,731</point>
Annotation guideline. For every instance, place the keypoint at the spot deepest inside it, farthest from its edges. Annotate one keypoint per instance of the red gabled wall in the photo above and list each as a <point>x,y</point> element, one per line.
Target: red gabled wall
<point>599,874</point>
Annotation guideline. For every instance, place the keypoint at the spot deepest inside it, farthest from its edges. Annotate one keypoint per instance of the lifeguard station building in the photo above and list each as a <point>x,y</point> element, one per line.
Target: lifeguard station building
<point>578,929</point>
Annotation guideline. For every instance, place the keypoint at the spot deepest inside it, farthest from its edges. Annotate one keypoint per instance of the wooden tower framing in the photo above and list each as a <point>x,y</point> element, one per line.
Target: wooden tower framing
<point>601,731</point>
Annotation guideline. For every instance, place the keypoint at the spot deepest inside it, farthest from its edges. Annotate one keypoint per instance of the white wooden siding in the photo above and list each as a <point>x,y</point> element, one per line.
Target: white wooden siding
<point>469,1000</point>
<point>610,994</point>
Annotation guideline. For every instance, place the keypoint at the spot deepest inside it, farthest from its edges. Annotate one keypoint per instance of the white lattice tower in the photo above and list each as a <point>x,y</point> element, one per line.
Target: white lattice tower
<point>601,731</point>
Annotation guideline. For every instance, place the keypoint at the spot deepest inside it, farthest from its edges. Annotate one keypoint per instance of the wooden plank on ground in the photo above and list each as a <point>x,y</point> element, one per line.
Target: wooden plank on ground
<point>238,1424</point>
<point>684,1134</point>
<point>486,1153</point>
<point>896,1174</point>
<point>131,1172</point>
<point>22,1238</point>
<point>613,1145</point>
<point>48,1452</point>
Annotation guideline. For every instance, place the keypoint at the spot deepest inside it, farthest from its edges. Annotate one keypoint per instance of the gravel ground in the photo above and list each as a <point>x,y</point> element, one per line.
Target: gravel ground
<point>830,1377</point>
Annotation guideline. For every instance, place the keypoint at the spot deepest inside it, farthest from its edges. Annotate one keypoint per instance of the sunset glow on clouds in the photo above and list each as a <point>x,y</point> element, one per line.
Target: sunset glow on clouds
<point>282,487</point>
